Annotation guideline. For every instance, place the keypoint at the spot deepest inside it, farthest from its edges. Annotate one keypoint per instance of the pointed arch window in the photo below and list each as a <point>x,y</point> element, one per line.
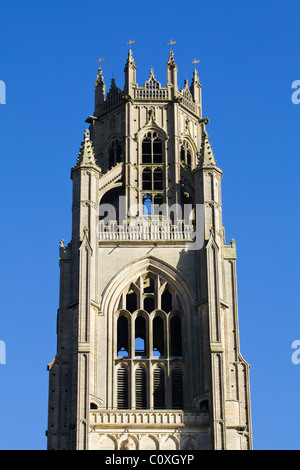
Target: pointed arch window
<point>114,153</point>
<point>149,330</point>
<point>140,336</point>
<point>122,336</point>
<point>147,204</point>
<point>186,155</point>
<point>152,148</point>
<point>158,336</point>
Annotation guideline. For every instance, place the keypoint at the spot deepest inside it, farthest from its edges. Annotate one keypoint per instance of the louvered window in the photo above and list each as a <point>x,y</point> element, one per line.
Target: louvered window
<point>140,388</point>
<point>177,388</point>
<point>122,389</point>
<point>159,388</point>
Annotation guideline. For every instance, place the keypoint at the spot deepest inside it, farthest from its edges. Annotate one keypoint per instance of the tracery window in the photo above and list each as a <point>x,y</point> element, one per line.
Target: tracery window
<point>152,148</point>
<point>152,179</point>
<point>114,153</point>
<point>186,155</point>
<point>149,341</point>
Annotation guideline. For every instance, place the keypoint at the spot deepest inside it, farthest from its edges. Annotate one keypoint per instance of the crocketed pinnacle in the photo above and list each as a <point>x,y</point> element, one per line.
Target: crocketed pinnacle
<point>99,79</point>
<point>206,152</point>
<point>130,60</point>
<point>86,154</point>
<point>171,61</point>
<point>195,79</point>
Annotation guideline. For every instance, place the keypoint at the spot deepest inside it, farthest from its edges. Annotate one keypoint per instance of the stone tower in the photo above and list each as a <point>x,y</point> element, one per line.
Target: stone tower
<point>148,353</point>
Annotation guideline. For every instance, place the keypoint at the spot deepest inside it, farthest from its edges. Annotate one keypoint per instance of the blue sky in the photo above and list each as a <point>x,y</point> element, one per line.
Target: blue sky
<point>249,57</point>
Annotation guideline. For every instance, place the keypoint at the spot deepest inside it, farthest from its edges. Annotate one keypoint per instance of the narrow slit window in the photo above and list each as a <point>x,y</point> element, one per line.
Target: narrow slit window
<point>157,151</point>
<point>175,336</point>
<point>158,337</point>
<point>146,151</point>
<point>140,336</point>
<point>147,205</point>
<point>122,335</point>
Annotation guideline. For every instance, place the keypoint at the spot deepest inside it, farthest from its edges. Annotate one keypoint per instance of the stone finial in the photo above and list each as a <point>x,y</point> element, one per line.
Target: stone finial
<point>86,154</point>
<point>130,60</point>
<point>171,61</point>
<point>206,152</point>
<point>100,78</point>
<point>195,79</point>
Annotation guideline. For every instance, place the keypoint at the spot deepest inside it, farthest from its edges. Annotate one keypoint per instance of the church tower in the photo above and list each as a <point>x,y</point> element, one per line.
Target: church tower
<point>148,353</point>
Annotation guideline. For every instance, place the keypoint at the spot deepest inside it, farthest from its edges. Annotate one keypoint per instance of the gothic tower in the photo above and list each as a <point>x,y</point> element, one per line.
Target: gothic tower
<point>148,353</point>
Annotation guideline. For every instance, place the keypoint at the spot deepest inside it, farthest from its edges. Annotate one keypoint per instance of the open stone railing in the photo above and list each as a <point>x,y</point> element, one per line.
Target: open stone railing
<point>145,228</point>
<point>139,417</point>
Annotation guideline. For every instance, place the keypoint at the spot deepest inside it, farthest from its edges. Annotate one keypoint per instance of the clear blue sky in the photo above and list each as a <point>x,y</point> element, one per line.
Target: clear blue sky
<point>249,57</point>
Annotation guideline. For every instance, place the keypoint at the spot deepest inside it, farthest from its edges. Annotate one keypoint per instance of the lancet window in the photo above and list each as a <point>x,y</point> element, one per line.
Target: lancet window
<point>115,153</point>
<point>186,155</point>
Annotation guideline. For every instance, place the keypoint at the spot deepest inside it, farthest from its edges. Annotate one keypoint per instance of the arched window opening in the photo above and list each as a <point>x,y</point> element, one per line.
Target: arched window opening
<point>182,154</point>
<point>147,179</point>
<point>149,304</point>
<point>158,337</point>
<point>159,388</point>
<point>140,388</point>
<point>186,155</point>
<point>166,301</point>
<point>146,149</point>
<point>158,201</point>
<point>114,153</point>
<point>157,150</point>
<point>122,335</point>
<point>175,336</point>
<point>122,389</point>
<point>111,205</point>
<point>177,388</point>
<point>131,301</point>
<point>147,205</point>
<point>93,406</point>
<point>140,336</point>
<point>188,158</point>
